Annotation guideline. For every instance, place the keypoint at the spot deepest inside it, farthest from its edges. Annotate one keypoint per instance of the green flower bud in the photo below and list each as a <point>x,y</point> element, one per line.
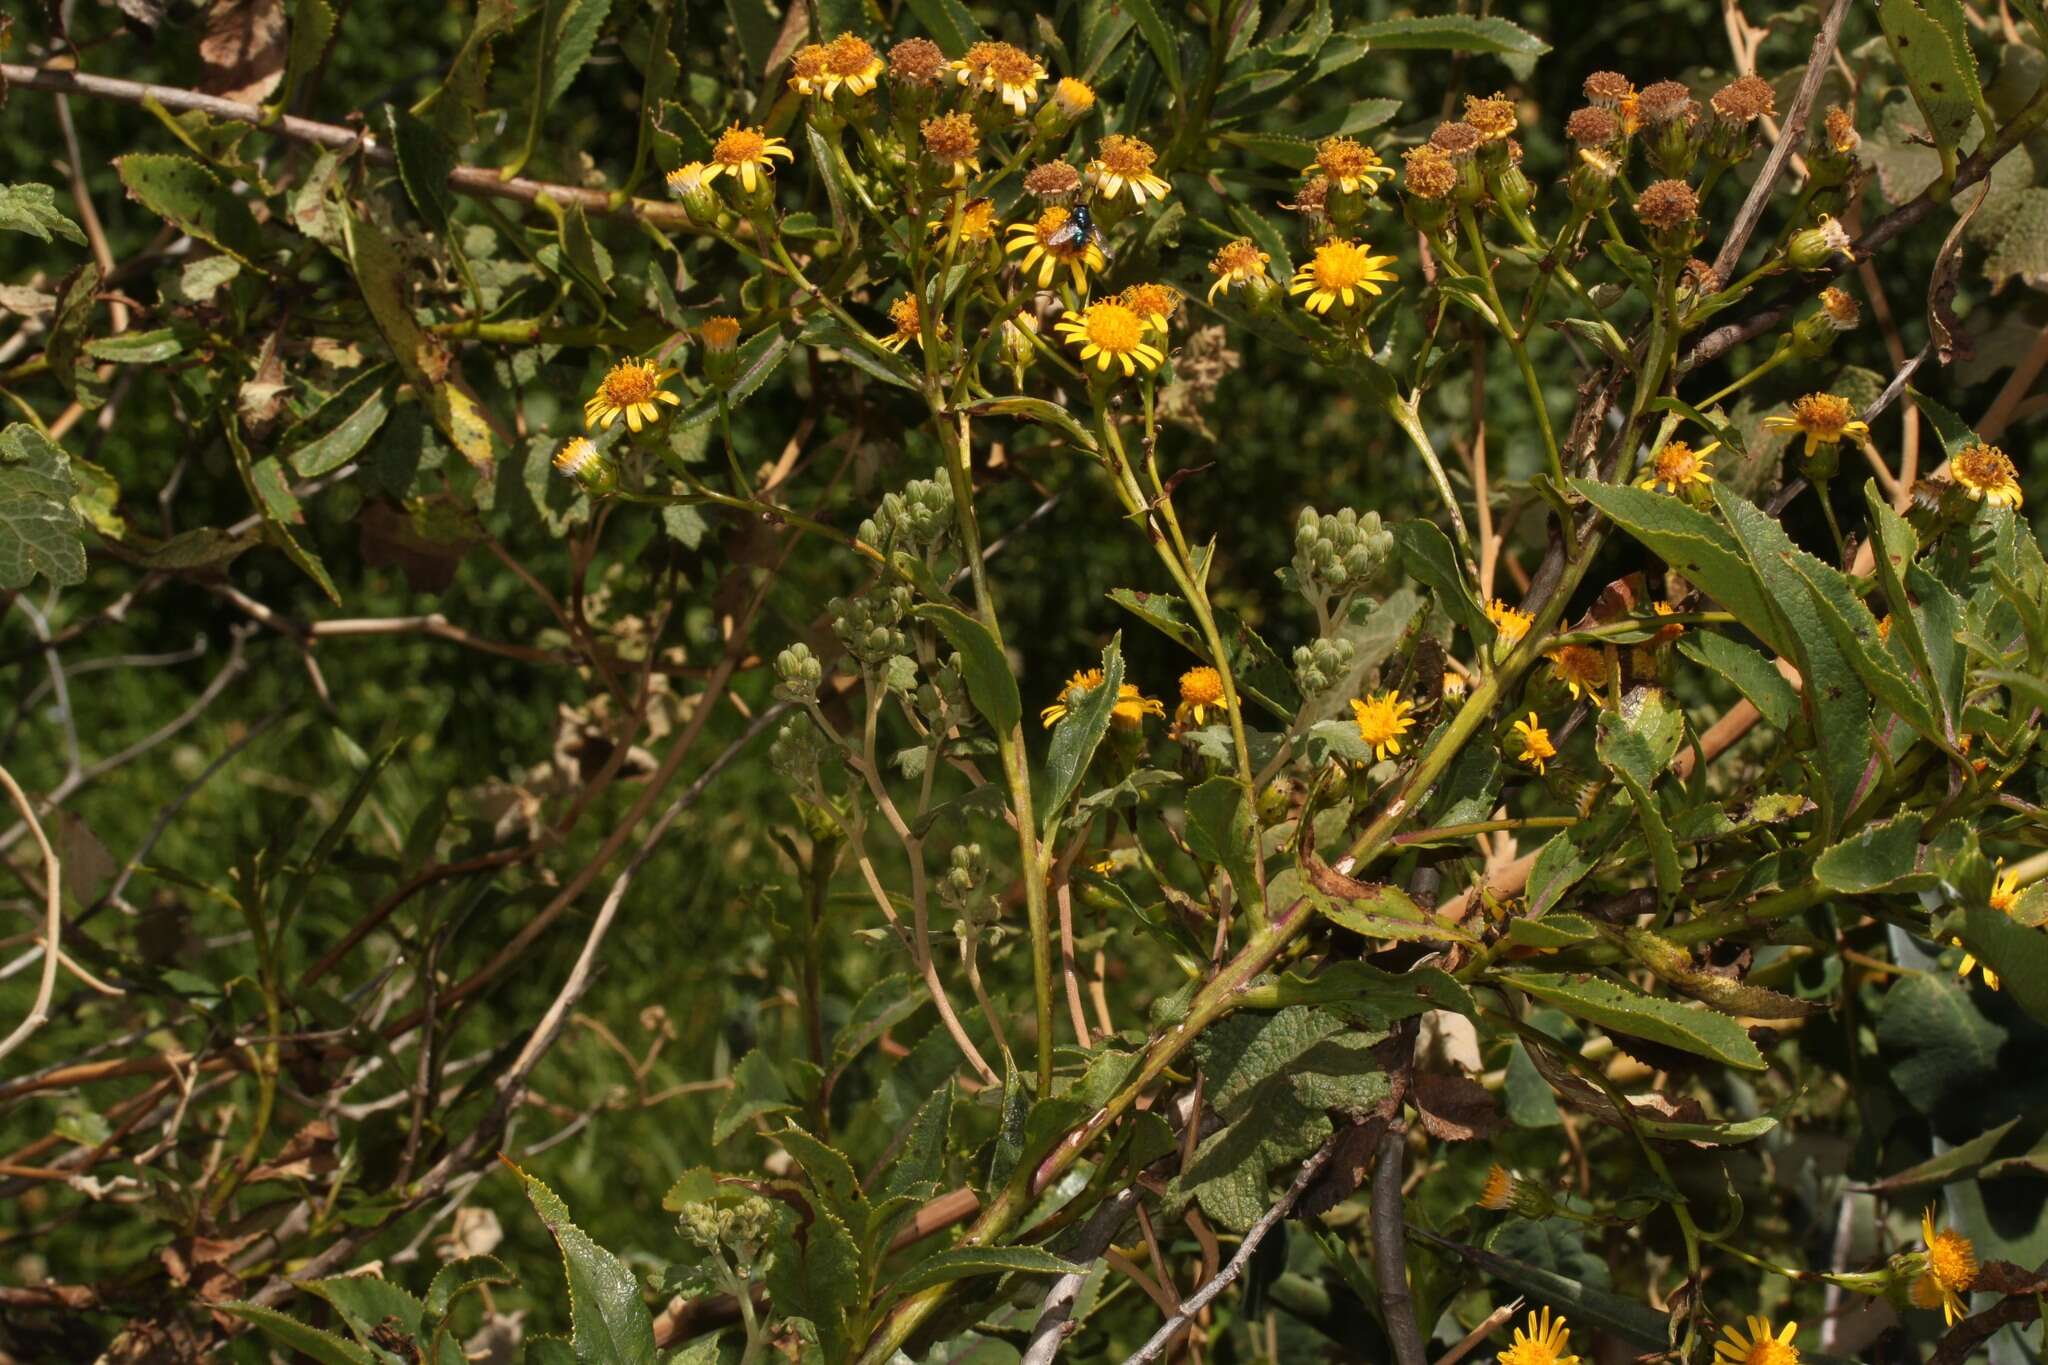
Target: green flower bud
<point>798,673</point>
<point>1820,247</point>
<point>582,461</point>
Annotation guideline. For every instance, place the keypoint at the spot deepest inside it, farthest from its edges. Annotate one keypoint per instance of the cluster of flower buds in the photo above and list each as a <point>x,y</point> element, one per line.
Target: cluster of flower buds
<point>741,1226</point>
<point>915,519</point>
<point>798,673</point>
<point>1339,554</point>
<point>964,886</point>
<point>871,626</point>
<point>1322,664</point>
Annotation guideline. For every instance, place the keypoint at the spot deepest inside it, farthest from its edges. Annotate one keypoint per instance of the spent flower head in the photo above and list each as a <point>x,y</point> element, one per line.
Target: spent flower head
<point>1350,165</point>
<point>1236,265</point>
<point>999,69</point>
<point>1052,180</point>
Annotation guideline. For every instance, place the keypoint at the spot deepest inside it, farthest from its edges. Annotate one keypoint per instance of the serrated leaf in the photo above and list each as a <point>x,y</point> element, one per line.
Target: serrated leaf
<point>323,1347</point>
<point>1220,830</point>
<point>1882,856</point>
<point>1695,545</point>
<point>610,1319</point>
<point>1160,36</point>
<point>1451,33</point>
<point>1756,677</point>
<point>1616,1005</point>
<point>1079,733</point>
<point>990,684</point>
<point>922,1159</point>
<point>1280,148</point>
<point>1855,634</point>
<point>757,1091</point>
<point>40,531</point>
<point>1636,743</point>
<point>310,30</point>
<point>1570,854</point>
<point>32,208</point>
<point>365,1301</point>
<point>1552,932</point>
<point>819,1279</point>
<point>880,1008</point>
<point>962,1262</point>
<point>1960,1162</point>
<point>1943,82</point>
<point>757,359</point>
<point>336,447</point>
<point>187,195</point>
<point>424,160</point>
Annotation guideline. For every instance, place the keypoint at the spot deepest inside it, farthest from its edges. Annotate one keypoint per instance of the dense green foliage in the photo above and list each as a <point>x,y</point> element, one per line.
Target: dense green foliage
<point>674,818</point>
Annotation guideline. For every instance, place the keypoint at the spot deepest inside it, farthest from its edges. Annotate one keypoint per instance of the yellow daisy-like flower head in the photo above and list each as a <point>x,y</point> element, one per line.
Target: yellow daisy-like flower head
<point>1155,303</point>
<point>1760,1345</point>
<point>1048,244</point>
<point>2005,890</point>
<point>1951,1270</point>
<point>1349,165</point>
<point>1822,418</point>
<point>577,456</point>
<point>953,143</point>
<point>687,178</point>
<point>977,221</point>
<point>807,69</point>
<point>1237,264</point>
<point>1455,686</point>
<point>719,334</point>
<point>1340,272</point>
<point>1499,1184</point>
<point>909,324</point>
<point>1510,623</point>
<point>1109,333</point>
<point>1987,474</point>
<point>1000,69</point>
<point>1124,163</point>
<point>1583,669</point>
<point>1382,719</point>
<point>1201,691</point>
<point>1494,116</point>
<point>1072,98</point>
<point>1542,1342</point>
<point>747,153</point>
<point>1131,706</point>
<point>1537,749</point>
<point>630,389</point>
<point>850,61</point>
<point>1677,464</point>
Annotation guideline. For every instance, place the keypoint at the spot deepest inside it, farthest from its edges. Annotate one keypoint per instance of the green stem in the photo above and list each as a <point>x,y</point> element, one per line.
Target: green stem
<point>1481,255</point>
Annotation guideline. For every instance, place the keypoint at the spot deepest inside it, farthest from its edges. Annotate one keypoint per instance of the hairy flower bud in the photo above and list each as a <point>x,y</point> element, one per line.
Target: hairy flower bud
<point>798,672</point>
<point>915,519</point>
<point>1820,247</point>
<point>582,461</point>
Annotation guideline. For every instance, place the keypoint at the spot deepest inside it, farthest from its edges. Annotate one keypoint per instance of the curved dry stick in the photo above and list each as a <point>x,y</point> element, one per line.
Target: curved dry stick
<point>53,919</point>
<point>475,180</point>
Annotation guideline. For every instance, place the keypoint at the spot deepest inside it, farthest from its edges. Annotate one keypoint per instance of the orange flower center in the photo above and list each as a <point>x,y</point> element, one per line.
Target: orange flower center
<point>1340,265</point>
<point>849,55</point>
<point>978,221</point>
<point>1581,664</point>
<point>1049,225</point>
<point>1012,65</point>
<point>1676,463</point>
<point>1114,328</point>
<point>809,62</point>
<point>1240,259</point>
<point>1823,415</point>
<point>737,146</point>
<point>720,333</point>
<point>1343,158</point>
<point>1953,1261</point>
<point>904,314</point>
<point>1771,1351</point>
<point>1150,300</point>
<point>1126,156</point>
<point>951,137</point>
<point>1984,467</point>
<point>1201,687</point>
<point>629,383</point>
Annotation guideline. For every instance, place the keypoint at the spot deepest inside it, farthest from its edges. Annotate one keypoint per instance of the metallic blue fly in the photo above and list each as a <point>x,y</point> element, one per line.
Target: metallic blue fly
<point>1079,229</point>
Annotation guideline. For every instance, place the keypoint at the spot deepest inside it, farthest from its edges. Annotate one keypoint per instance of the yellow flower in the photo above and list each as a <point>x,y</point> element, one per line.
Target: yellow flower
<point>977,221</point>
<point>1543,1342</point>
<point>1201,689</point>
<point>1455,686</point>
<point>807,69</point>
<point>1046,246</point>
<point>1349,165</point>
<point>1123,162</point>
<point>576,456</point>
<point>1340,271</point>
<point>1155,303</point>
<point>1583,669</point>
<point>1823,418</point>
<point>1131,706</point>
<point>1987,474</point>
<point>1511,623</point>
<point>851,62</point>
<point>909,328</point>
<point>1951,1270</point>
<point>1073,98</point>
<point>631,389</point>
<point>954,143</point>
<point>746,153</point>
<point>1107,331</point>
<point>1382,720</point>
<point>1494,116</point>
<point>1537,749</point>
<point>2005,895</point>
<point>720,333</point>
<point>1758,1346</point>
<point>1498,1186</point>
<point>1678,464</point>
<point>1237,263</point>
<point>687,178</point>
<point>1001,69</point>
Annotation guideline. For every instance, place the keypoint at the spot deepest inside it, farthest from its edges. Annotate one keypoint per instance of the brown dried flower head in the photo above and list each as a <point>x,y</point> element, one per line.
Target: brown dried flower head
<point>1664,102</point>
<point>1839,127</point>
<point>1592,126</point>
<point>1608,88</point>
<point>916,61</point>
<point>1311,197</point>
<point>1493,117</point>
<point>1455,139</point>
<point>1745,100</point>
<point>1052,180</point>
<point>1841,309</point>
<point>1667,204</point>
<point>1429,173</point>
<point>951,137</point>
<point>1700,277</point>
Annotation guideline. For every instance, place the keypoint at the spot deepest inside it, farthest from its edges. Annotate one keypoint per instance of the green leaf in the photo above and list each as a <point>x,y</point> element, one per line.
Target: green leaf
<point>1039,411</point>
<point>1079,733</point>
<point>1570,854</point>
<point>611,1321</point>
<point>187,195</point>
<point>310,30</point>
<point>1754,676</point>
<point>138,348</point>
<point>365,1301</point>
<point>880,1008</point>
<point>424,160</point>
<point>1636,743</point>
<point>1941,1051</point>
<point>1552,931</point>
<point>1427,557</point>
<point>1582,1302</point>
<point>1160,36</point>
<point>1855,634</point>
<point>1279,148</point>
<point>1879,857</point>
<point>1220,831</point>
<point>77,298</point>
<point>322,1347</point>
<point>1943,81</point>
<point>947,23</point>
<point>573,43</point>
<point>337,446</point>
<point>990,684</point>
<point>819,1279</point>
<point>757,1090</point>
<point>962,1262</point>
<point>1960,1162</point>
<point>1377,910</point>
<point>40,531</point>
<point>1451,33</point>
<point>757,359</point>
<point>32,208</point>
<point>203,547</point>
<point>922,1159</point>
<point>1695,545</point>
<point>451,1282</point>
<point>1621,1007</point>
<point>2018,953</point>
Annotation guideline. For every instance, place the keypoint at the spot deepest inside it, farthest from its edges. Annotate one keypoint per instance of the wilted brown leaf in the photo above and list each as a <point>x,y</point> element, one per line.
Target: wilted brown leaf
<point>1454,1108</point>
<point>244,49</point>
